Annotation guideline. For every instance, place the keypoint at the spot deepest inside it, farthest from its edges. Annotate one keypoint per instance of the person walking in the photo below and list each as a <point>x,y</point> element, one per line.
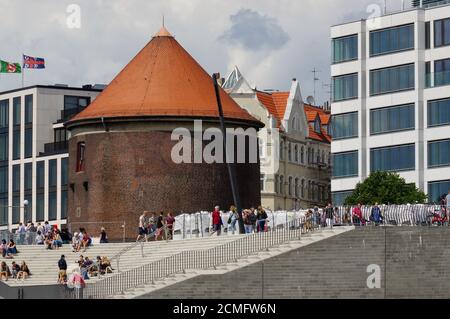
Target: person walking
<point>329,214</point>
<point>216,221</point>
<point>62,265</point>
<point>234,217</point>
<point>376,215</point>
<point>357,216</point>
<point>160,226</point>
<point>170,221</point>
<point>248,223</point>
<point>22,232</point>
<point>103,236</point>
<point>261,218</point>
<point>142,231</point>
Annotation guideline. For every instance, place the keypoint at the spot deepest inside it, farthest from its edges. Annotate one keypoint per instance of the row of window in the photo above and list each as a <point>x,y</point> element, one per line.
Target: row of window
<point>40,191</point>
<point>390,119</point>
<point>436,192</point>
<point>299,188</point>
<point>390,40</point>
<point>299,154</point>
<point>392,158</point>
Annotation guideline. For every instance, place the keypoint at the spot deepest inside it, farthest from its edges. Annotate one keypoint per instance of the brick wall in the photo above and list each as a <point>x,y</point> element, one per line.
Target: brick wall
<point>416,259</point>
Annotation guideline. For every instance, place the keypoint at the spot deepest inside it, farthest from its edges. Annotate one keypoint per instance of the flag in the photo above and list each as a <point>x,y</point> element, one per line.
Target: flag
<point>6,67</point>
<point>33,63</point>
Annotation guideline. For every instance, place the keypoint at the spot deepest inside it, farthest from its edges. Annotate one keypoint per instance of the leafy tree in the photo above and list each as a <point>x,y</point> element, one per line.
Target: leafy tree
<point>385,188</point>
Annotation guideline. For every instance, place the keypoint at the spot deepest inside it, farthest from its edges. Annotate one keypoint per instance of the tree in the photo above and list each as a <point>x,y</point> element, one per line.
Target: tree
<point>385,188</point>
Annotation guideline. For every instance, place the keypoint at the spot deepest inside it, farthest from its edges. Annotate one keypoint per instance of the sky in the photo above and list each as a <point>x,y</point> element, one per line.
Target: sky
<point>271,41</point>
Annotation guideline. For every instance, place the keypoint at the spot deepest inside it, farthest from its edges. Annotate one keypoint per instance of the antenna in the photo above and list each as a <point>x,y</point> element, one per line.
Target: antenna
<point>163,20</point>
<point>329,90</point>
<point>315,79</point>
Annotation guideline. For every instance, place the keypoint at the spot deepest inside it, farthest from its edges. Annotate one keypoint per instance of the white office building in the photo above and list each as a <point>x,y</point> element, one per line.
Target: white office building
<point>391,99</point>
<point>33,152</point>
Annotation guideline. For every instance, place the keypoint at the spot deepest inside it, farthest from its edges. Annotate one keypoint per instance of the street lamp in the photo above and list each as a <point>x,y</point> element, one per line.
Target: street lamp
<point>25,205</point>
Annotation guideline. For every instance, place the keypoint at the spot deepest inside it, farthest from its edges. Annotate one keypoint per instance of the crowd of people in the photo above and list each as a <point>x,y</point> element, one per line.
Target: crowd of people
<point>86,268</point>
<point>15,271</point>
<point>155,226</point>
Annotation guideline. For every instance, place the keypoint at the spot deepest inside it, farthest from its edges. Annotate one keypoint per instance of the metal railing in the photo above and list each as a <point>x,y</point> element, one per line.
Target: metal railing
<point>437,79</point>
<point>195,259</point>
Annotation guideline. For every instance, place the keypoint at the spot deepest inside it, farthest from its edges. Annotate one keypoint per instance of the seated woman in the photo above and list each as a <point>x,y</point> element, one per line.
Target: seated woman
<point>39,240</point>
<point>12,249</point>
<point>15,269</point>
<point>49,241</point>
<point>76,242</point>
<point>105,266</point>
<point>24,272</point>
<point>4,271</point>
<point>57,241</point>
<point>4,250</point>
<point>86,241</point>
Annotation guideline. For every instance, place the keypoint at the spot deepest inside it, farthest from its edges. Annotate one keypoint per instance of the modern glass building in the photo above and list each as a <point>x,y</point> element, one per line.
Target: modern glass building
<point>33,152</point>
<point>391,99</point>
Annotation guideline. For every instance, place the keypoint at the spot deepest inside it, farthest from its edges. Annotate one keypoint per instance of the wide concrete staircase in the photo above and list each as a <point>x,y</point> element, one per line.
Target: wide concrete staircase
<point>150,289</point>
<point>43,263</point>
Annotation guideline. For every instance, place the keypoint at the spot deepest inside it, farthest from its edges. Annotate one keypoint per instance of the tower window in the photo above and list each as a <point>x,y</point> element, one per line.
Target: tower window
<point>80,157</point>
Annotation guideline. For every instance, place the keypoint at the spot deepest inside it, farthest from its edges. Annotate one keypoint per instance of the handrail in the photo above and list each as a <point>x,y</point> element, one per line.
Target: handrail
<point>196,259</point>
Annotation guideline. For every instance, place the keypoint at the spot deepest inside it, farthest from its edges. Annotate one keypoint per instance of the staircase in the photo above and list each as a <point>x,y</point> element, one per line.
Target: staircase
<point>140,291</point>
<point>43,263</point>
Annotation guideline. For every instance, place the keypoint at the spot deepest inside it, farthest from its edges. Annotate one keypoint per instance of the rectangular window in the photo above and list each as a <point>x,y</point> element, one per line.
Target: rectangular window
<point>4,195</point>
<point>4,114</point>
<point>4,180</point>
<point>16,144</point>
<point>64,170</point>
<point>74,102</point>
<point>427,35</point>
<point>345,48</point>
<point>16,111</point>
<point>4,146</point>
<point>441,72</point>
<point>16,178</point>
<point>28,109</point>
<point>40,207</point>
<point>338,198</point>
<point>27,212</point>
<point>16,210</point>
<point>391,119</point>
<point>439,112</point>
<point>4,210</point>
<point>437,191</point>
<point>40,175</point>
<point>439,153</point>
<point>441,32</point>
<point>345,87</point>
<point>52,173</point>
<point>344,125</point>
<point>345,164</point>
<point>393,158</point>
<point>392,79</point>
<point>81,156</point>
<point>28,179</point>
<point>392,40</point>
<point>52,205</point>
<point>28,142</point>
<point>64,202</point>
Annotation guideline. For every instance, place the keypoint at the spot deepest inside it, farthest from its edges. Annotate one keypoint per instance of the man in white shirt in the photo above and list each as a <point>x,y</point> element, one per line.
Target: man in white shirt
<point>142,227</point>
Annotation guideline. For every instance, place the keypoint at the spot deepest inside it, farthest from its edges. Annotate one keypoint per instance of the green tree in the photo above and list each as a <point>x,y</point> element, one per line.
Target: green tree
<point>385,188</point>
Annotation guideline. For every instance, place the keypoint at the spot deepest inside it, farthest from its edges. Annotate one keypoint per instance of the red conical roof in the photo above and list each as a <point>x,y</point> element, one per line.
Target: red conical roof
<point>162,80</point>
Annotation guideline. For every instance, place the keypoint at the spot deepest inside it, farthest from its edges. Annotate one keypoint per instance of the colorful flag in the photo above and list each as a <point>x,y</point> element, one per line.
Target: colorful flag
<point>6,67</point>
<point>33,63</point>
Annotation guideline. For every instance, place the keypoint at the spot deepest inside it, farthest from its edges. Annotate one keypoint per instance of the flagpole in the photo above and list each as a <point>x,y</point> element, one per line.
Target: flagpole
<point>23,73</point>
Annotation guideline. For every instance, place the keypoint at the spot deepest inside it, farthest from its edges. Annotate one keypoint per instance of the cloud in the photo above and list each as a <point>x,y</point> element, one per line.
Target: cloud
<point>255,32</point>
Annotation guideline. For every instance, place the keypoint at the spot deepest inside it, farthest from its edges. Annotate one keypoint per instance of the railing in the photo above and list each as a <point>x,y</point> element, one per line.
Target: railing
<point>195,259</point>
<point>56,148</point>
<point>437,79</point>
<point>27,238</point>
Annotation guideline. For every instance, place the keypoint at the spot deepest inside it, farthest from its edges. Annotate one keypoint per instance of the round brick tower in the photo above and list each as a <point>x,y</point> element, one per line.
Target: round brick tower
<point>120,148</point>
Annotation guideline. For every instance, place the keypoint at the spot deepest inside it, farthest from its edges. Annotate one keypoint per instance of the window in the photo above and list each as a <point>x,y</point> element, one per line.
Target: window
<point>303,188</point>
<point>40,175</point>
<point>437,191</point>
<point>4,195</point>
<point>27,212</point>
<point>441,72</point>
<point>296,153</point>
<point>4,114</point>
<point>302,155</point>
<point>16,178</point>
<point>393,79</point>
<point>16,210</point>
<point>28,142</point>
<point>28,109</point>
<point>64,206</point>
<point>391,119</point>
<point>289,147</point>
<point>4,211</point>
<point>393,158</point>
<point>81,157</point>
<point>4,180</point>
<point>317,126</point>
<point>391,40</point>
<point>345,48</point>
<point>439,153</point>
<point>52,173</point>
<point>64,171</point>
<point>442,32</point>
<point>28,179</point>
<point>40,207</point>
<point>290,185</point>
<point>16,111</point>
<point>16,144</point>
<point>439,112</point>
<point>4,146</point>
<point>427,35</point>
<point>296,187</point>
<point>345,164</point>
<point>282,184</point>
<point>75,102</point>
<point>344,125</point>
<point>345,87</point>
<point>28,191</point>
<point>52,205</point>
<point>338,198</point>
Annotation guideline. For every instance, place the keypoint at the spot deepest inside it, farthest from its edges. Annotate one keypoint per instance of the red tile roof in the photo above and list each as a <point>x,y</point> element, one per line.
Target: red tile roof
<point>276,103</point>
<point>162,80</point>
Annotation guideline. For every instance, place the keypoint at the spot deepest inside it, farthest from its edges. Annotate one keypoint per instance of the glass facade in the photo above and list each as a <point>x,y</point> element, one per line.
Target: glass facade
<point>40,188</point>
<point>439,153</point>
<point>345,87</point>
<point>16,178</point>
<point>338,198</point>
<point>28,109</point>
<point>441,73</point>
<point>392,40</point>
<point>393,79</point>
<point>16,210</point>
<point>391,119</point>
<point>52,183</point>
<point>4,130</point>
<point>16,144</point>
<point>16,111</point>
<point>439,112</point>
<point>442,32</point>
<point>344,125</point>
<point>438,190</point>
<point>345,49</point>
<point>345,164</point>
<point>393,158</point>
<point>4,195</point>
